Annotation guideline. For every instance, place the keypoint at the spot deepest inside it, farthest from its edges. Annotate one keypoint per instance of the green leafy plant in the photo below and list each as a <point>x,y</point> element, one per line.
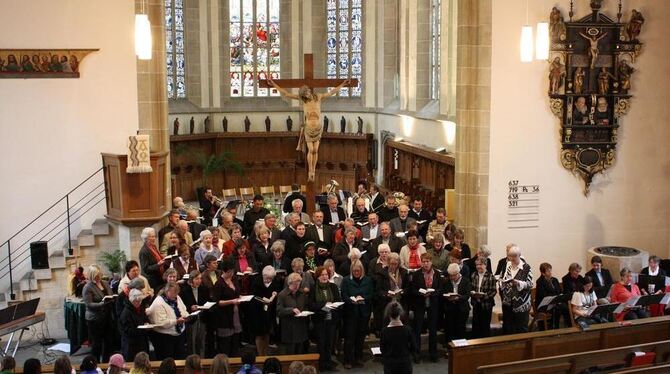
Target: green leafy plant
<point>114,260</point>
<point>213,163</point>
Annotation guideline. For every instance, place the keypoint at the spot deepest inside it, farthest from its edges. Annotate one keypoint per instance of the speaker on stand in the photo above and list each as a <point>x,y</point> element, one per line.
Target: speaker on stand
<point>39,255</point>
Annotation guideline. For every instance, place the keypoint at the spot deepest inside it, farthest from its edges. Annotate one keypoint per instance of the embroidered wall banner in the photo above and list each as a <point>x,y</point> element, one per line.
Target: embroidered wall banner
<point>138,154</point>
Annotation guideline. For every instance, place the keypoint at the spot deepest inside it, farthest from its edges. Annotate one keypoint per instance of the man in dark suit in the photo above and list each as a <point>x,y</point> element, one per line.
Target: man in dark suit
<point>376,199</point>
<point>401,223</point>
<point>194,226</point>
<point>252,215</point>
<point>572,281</point>
<point>388,211</point>
<point>295,194</point>
<point>292,219</point>
<point>173,219</point>
<point>208,206</point>
<point>320,234</point>
<point>371,230</point>
<point>602,279</point>
<point>385,236</point>
<point>457,307</point>
<point>334,214</point>
<point>419,214</point>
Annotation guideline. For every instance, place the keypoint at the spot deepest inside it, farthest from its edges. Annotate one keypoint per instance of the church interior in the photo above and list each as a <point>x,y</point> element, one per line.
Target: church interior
<point>472,107</point>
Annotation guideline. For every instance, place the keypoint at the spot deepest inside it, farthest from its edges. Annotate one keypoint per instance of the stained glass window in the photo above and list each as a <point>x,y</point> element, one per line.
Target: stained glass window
<point>254,46</point>
<point>435,50</point>
<point>344,42</point>
<point>174,49</point>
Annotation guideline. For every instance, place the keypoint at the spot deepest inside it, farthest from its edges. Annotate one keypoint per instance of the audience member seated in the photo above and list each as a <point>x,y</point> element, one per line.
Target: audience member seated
<point>386,236</point>
<point>169,314</point>
<point>457,248</point>
<point>320,234</point>
<point>142,364</point>
<point>326,316</point>
<point>133,339</point>
<point>293,195</point>
<point>371,230</point>
<point>438,253</point>
<point>457,307</point>
<point>360,213</point>
<point>334,214</point>
<point>547,285</point>
<point>248,358</point>
<point>389,211</point>
<point>173,220</point>
<point>410,254</point>
<point>425,299</point>
<point>151,260</point>
<point>624,290</point>
<point>297,206</point>
<point>653,268</point>
<point>194,294</point>
<point>99,314</point>
<point>572,281</point>
<point>229,246</point>
<point>517,282</point>
<point>206,248</point>
<point>399,224</point>
<point>183,263</point>
<point>62,365</point>
<point>8,365</point>
<point>89,365</point>
<point>483,299</point>
<point>257,211</point>
<point>581,301</point>
<point>291,302</point>
<point>260,247</point>
<point>438,225</point>
<point>264,308</point>
<point>342,248</point>
<point>419,214</point>
<point>34,366</point>
<point>296,367</point>
<point>192,365</point>
<point>602,279</point>
<point>219,364</point>
<point>357,293</point>
<point>397,342</point>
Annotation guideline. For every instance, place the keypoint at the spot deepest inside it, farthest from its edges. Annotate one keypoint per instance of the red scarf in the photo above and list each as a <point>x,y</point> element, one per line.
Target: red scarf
<point>414,259</point>
<point>156,254</point>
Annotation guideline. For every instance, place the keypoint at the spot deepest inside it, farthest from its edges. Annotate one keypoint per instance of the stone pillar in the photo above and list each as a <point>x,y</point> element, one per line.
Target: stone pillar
<point>473,99</point>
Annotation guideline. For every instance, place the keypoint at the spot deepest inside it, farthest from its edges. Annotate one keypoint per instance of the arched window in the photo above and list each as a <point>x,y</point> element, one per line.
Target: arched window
<point>254,46</point>
<point>344,42</point>
<point>174,48</point>
<point>435,19</point>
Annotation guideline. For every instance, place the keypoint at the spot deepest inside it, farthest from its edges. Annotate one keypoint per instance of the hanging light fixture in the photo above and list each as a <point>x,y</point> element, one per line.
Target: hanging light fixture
<point>526,40</point>
<point>542,41</point>
<point>143,35</point>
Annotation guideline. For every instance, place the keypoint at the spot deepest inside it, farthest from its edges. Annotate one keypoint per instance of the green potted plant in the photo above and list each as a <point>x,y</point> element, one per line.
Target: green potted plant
<point>114,261</point>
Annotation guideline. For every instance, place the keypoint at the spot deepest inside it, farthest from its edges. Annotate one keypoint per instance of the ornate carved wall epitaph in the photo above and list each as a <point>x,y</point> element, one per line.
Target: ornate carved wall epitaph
<point>590,68</point>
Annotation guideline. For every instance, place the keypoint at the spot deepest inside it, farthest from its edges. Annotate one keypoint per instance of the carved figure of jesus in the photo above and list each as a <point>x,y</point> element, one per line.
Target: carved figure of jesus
<point>310,132</point>
<point>593,48</point>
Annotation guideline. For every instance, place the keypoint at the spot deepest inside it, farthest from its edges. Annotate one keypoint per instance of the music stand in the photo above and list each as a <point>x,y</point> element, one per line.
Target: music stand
<point>7,314</point>
<point>26,309</point>
<point>645,280</point>
<point>647,300</point>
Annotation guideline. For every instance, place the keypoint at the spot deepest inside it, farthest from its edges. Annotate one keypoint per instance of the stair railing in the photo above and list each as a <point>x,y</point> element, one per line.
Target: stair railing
<point>88,194</point>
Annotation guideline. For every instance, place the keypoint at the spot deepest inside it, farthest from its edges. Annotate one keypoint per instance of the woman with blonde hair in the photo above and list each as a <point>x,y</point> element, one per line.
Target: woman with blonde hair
<point>98,314</point>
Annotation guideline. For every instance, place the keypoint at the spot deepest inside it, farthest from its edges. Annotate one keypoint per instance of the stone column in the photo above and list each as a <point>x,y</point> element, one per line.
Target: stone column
<point>473,99</point>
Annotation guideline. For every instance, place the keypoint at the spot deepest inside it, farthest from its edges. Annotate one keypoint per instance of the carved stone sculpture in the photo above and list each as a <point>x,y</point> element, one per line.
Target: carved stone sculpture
<point>192,126</point>
<point>634,25</point>
<point>604,81</point>
<point>268,123</point>
<point>359,122</point>
<point>208,123</point>
<point>224,124</point>
<point>578,80</point>
<point>326,122</point>
<point>556,24</point>
<point>625,71</point>
<point>289,124</point>
<point>556,74</point>
<point>247,124</point>
<point>175,126</point>
<point>343,124</point>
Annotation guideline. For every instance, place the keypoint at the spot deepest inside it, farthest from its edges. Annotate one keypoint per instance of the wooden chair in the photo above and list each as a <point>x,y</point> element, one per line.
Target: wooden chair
<point>572,316</point>
<point>247,193</point>
<point>303,188</point>
<point>268,191</point>
<point>229,194</point>
<point>538,316</point>
<point>284,190</point>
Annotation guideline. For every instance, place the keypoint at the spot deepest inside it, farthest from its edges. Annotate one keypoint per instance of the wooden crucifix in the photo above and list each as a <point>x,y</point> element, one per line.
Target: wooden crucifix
<point>312,128</point>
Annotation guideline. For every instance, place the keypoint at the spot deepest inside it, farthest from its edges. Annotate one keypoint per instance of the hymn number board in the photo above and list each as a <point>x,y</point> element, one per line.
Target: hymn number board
<point>523,205</point>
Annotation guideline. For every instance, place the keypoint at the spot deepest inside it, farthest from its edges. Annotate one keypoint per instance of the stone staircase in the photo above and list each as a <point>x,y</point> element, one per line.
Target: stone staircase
<point>50,285</point>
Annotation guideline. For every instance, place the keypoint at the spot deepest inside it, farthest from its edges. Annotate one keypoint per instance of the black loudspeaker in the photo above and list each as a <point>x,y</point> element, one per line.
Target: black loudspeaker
<point>39,255</point>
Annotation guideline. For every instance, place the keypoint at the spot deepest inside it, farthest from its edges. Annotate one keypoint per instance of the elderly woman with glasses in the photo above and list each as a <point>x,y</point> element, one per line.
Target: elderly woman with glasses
<point>151,259</point>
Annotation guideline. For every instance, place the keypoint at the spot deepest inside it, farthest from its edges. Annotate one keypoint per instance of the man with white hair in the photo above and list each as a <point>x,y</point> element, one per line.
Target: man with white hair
<point>386,236</point>
<point>516,283</point>
<point>457,307</point>
<point>334,213</point>
<point>402,222</point>
<point>291,221</point>
<point>297,209</point>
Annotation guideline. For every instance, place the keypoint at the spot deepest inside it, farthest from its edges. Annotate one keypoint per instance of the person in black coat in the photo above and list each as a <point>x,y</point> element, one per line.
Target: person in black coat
<point>393,279</point>
<point>295,194</point>
<point>252,215</point>
<point>151,260</point>
<point>397,342</point>
<point>546,285</point>
<point>264,308</point>
<point>133,339</point>
<point>320,234</point>
<point>456,305</point>
<point>423,301</point>
<point>195,294</point>
<point>296,241</point>
<point>341,250</point>
<point>279,261</point>
<point>652,270</point>
<point>387,237</point>
<point>326,315</point>
<point>457,248</point>
<point>572,281</point>
<point>333,210</point>
<point>261,246</point>
<point>226,294</point>
<point>602,279</point>
<point>388,211</point>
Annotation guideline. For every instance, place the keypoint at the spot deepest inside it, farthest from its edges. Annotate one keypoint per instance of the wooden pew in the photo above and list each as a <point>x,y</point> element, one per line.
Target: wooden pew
<point>657,369</point>
<point>234,364</point>
<point>576,363</point>
<point>527,346</point>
